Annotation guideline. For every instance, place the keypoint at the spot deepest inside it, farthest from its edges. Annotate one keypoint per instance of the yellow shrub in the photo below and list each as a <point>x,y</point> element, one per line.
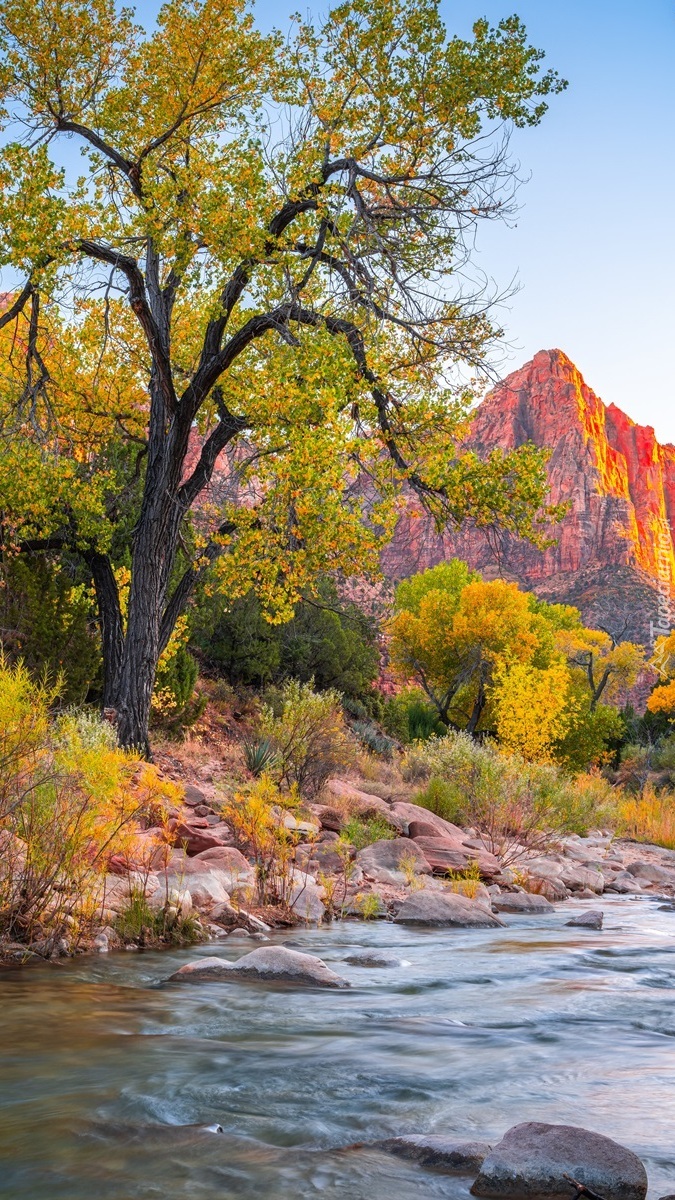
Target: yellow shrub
<point>649,817</point>
<point>69,798</point>
<point>258,818</point>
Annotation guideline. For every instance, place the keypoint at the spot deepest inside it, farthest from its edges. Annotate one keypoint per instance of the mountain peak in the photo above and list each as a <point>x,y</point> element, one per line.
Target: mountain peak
<point>618,483</point>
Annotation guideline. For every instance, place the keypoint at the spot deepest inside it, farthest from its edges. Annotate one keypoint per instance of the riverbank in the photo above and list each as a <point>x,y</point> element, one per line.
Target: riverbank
<point>196,877</point>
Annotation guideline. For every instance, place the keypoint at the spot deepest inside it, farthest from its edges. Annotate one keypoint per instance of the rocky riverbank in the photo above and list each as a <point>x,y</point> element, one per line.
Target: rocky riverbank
<point>196,878</point>
<point>415,875</point>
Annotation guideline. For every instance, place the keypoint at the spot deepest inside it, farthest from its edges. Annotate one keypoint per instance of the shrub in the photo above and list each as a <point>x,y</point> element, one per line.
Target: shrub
<point>369,905</point>
<point>663,758</point>
<point>635,765</point>
<point>335,886</point>
<point>649,817</point>
<point>466,882</point>
<point>69,798</point>
<point>144,926</point>
<point>46,618</point>
<point>409,866</point>
<point>257,818</point>
<point>309,736</point>
<point>373,738</point>
<point>360,834</point>
<point>444,800</point>
<point>410,717</point>
<point>330,642</point>
<point>175,707</point>
<point>514,805</point>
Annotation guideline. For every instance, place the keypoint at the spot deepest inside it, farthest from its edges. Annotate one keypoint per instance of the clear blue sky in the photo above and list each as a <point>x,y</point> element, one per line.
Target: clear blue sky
<point>593,249</point>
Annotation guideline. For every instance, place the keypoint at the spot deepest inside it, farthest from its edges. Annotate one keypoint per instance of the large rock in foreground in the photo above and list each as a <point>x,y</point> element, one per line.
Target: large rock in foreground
<point>269,963</point>
<point>445,908</point>
<point>533,1160</point>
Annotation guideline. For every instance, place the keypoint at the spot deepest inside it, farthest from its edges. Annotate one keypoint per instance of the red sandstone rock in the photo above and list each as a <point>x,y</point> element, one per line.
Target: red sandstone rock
<point>195,837</point>
<point>226,858</point>
<point>422,829</point>
<point>447,854</point>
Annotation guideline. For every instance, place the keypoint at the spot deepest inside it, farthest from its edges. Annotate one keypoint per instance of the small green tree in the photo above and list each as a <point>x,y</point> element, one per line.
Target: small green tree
<point>47,621</point>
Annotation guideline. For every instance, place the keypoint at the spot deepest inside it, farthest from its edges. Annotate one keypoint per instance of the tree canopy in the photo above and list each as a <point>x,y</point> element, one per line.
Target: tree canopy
<point>494,659</point>
<point>266,254</point>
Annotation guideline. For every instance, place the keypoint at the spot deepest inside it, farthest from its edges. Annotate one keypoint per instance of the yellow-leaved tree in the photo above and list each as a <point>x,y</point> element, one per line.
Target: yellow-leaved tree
<point>662,698</point>
<point>494,659</point>
<point>260,260</point>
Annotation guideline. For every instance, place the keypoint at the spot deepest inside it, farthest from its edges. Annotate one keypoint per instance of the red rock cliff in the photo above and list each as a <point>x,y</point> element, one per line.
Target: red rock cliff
<point>614,553</point>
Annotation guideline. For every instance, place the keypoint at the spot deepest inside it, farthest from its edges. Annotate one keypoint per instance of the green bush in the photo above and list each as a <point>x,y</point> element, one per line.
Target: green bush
<point>144,926</point>
<point>360,834</point>
<point>445,800</point>
<point>328,641</point>
<point>46,621</point>
<point>176,707</point>
<point>663,757</point>
<point>309,736</point>
<point>410,717</point>
<point>374,739</point>
<point>511,802</point>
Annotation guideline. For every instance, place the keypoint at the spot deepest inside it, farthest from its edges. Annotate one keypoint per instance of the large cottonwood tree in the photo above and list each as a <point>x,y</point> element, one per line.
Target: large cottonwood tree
<point>265,251</point>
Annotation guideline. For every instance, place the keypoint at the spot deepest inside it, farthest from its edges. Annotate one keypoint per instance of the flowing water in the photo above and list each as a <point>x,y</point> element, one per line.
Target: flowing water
<point>105,1066</point>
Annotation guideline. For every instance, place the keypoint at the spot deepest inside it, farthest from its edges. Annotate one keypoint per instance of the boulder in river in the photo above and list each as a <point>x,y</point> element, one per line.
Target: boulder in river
<point>437,1150</point>
<point>522,902</point>
<point>444,908</point>
<point>372,958</point>
<point>591,919</point>
<point>536,1160</point>
<point>269,963</point>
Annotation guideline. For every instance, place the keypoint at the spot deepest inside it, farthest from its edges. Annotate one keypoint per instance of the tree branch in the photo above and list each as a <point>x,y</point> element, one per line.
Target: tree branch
<point>226,429</point>
<point>139,304</point>
<point>184,588</point>
<point>19,304</point>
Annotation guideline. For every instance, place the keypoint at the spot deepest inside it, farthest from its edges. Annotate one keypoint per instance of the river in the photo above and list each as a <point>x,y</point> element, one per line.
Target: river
<point>104,1065</point>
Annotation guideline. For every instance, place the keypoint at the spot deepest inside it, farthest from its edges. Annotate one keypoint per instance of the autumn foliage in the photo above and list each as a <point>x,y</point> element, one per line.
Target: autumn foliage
<point>69,801</point>
<point>493,659</point>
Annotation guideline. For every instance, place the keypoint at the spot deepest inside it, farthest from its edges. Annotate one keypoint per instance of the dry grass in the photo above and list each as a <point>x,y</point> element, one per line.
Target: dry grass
<point>649,817</point>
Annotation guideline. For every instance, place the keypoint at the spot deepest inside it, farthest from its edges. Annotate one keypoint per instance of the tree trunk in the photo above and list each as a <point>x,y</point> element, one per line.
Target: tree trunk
<point>153,556</point>
<point>138,667</point>
<point>110,618</point>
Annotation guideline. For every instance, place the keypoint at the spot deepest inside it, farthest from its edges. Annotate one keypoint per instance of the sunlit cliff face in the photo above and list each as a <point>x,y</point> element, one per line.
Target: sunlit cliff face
<point>619,481</point>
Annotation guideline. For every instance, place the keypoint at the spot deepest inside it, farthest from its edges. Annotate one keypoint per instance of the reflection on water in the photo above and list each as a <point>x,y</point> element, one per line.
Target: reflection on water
<point>478,1030</point>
